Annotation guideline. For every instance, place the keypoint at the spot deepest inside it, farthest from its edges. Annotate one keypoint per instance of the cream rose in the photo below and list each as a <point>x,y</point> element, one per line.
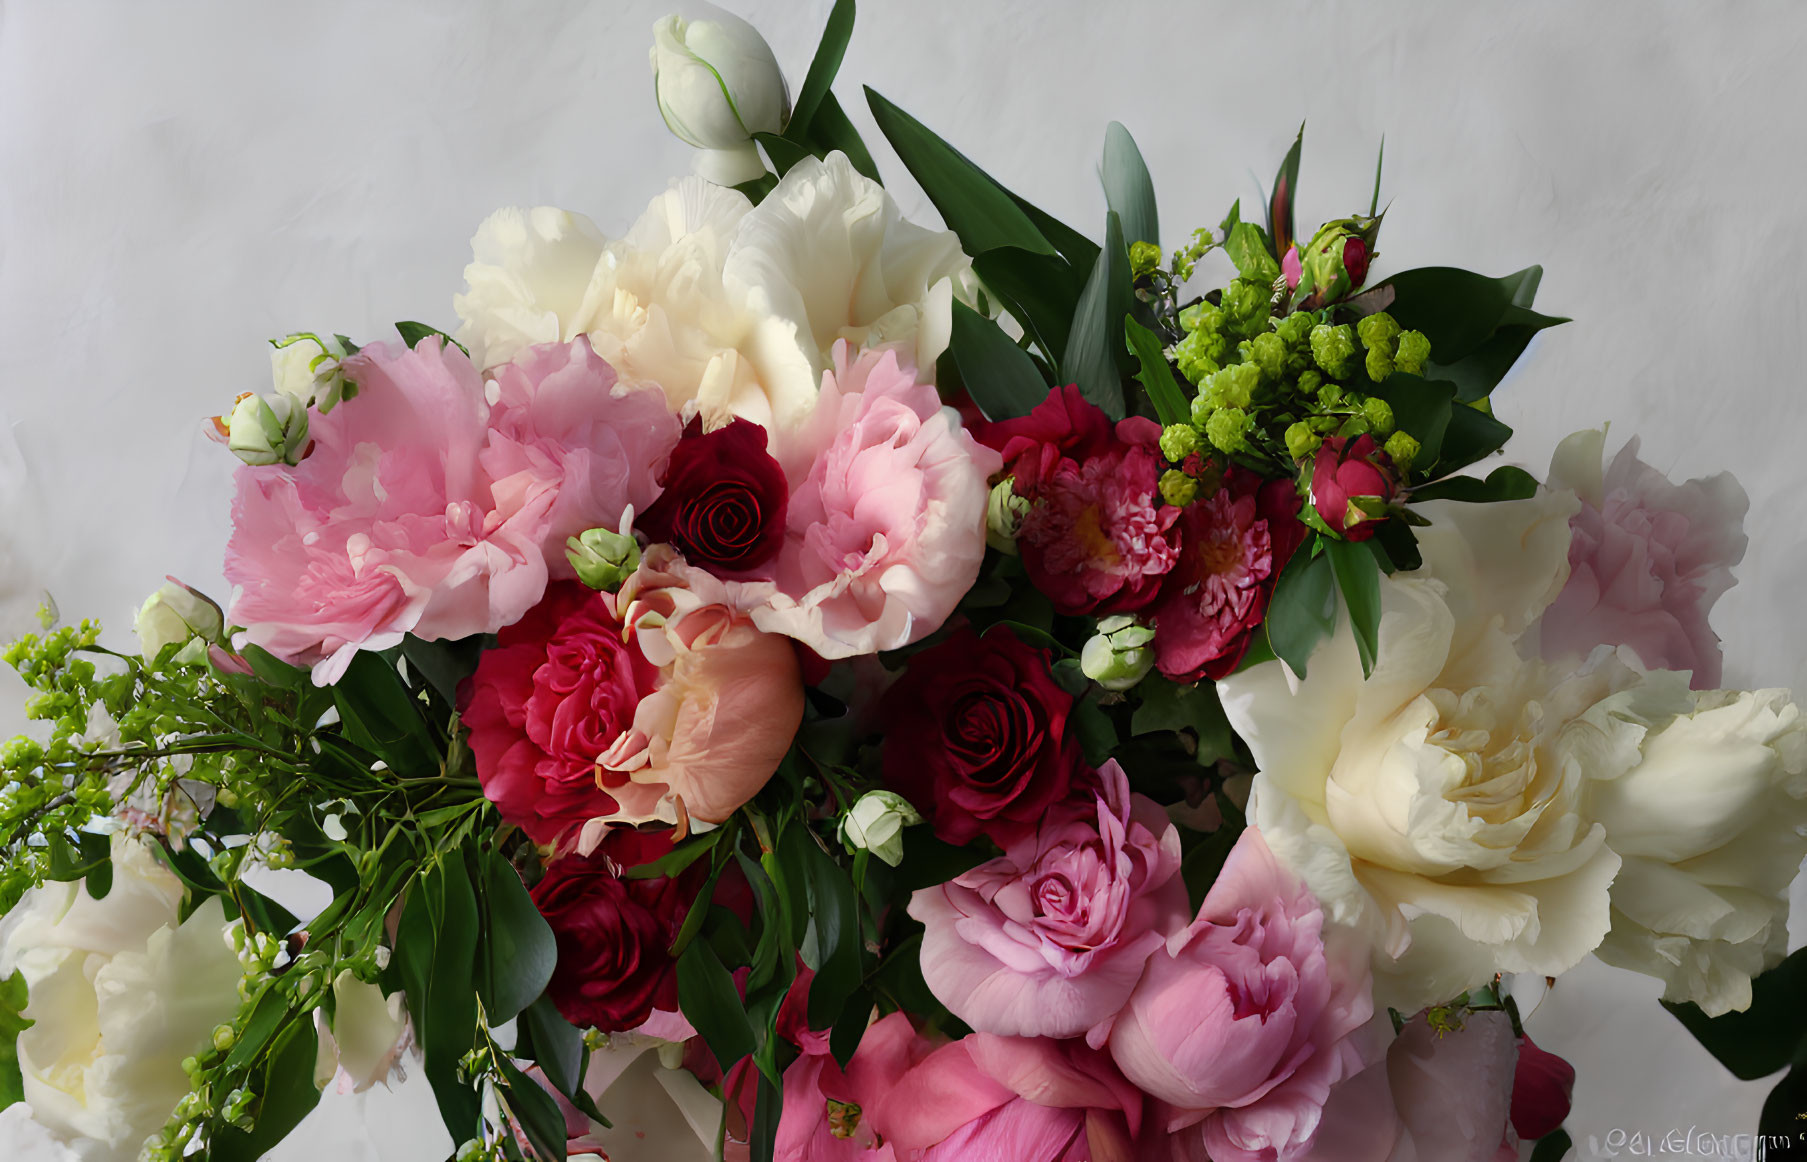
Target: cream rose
<point>120,993</point>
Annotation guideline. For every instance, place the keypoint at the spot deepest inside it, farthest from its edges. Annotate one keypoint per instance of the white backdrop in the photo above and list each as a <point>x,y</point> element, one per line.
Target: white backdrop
<point>180,181</point>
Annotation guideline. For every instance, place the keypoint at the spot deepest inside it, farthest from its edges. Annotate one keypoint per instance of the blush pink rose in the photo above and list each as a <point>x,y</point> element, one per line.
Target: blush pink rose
<point>1049,939</point>
<point>1429,1096</point>
<point>425,509</point>
<point>885,529</point>
<point>1647,559</point>
<point>1243,1023</point>
<point>722,712</point>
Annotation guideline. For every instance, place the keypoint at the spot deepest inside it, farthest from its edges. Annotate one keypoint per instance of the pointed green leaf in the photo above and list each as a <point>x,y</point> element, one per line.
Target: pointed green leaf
<point>1156,376</point>
<point>832,130</point>
<point>1248,248</point>
<point>973,206</point>
<point>835,921</point>
<point>1503,483</point>
<point>1039,290</point>
<point>1552,1147</point>
<point>1421,408</point>
<point>708,998</point>
<point>1765,1037</point>
<point>1091,356</point>
<point>1472,435</point>
<point>1127,187</point>
<point>822,69</point>
<point>286,1094</point>
<point>782,150</point>
<point>412,333</point>
<point>1380,158</point>
<point>1303,610</point>
<point>1280,202</point>
<point>998,375</point>
<point>518,946</point>
<point>1358,577</point>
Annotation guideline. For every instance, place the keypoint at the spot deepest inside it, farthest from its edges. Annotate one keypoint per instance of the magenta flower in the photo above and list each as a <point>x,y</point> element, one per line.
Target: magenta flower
<point>1098,538</point>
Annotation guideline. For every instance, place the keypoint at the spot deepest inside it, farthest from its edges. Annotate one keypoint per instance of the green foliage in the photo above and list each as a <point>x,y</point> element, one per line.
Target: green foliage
<point>996,373</point>
<point>1095,348</point>
<point>12,1022</point>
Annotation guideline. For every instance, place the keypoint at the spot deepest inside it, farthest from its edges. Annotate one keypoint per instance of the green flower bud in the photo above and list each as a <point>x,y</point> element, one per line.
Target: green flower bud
<point>1119,654</point>
<point>1179,441</point>
<point>1227,427</point>
<point>1143,257</point>
<point>1177,488</point>
<point>1332,348</point>
<point>876,822</point>
<point>1379,364</point>
<point>603,558</point>
<point>1413,350</point>
<point>1378,331</point>
<point>1295,329</point>
<point>1004,511</point>
<point>1268,352</point>
<point>1379,414</point>
<point>1301,441</point>
<point>223,1037</point>
<point>1246,306</point>
<point>1308,383</point>
<point>1201,317</point>
<point>1199,355</point>
<point>1235,385</point>
<point>263,430</point>
<point>1331,395</point>
<point>1322,268</point>
<point>1402,449</point>
<point>1202,407</point>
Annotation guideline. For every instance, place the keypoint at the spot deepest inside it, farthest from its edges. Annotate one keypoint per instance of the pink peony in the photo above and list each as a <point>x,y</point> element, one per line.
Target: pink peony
<point>828,1112</point>
<point>1049,939</point>
<point>560,687</point>
<point>1233,546</point>
<point>1647,559</point>
<point>1350,470</point>
<point>1064,426</point>
<point>723,711</point>
<point>425,509</point>
<point>1242,1024</point>
<point>1431,1097</point>
<point>1098,538</point>
<point>886,522</point>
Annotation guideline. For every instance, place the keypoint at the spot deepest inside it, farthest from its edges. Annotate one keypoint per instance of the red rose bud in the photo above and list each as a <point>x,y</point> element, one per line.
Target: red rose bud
<point>724,501</point>
<point>1543,1088</point>
<point>1347,471</point>
<point>1355,261</point>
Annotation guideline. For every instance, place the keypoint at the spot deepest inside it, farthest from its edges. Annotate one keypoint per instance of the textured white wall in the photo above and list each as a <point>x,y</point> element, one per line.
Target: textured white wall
<point>181,180</point>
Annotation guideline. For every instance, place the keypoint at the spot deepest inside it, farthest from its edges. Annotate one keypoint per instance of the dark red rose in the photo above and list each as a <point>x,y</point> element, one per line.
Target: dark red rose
<point>724,500</point>
<point>1542,1088</point>
<point>558,689</point>
<point>1065,425</point>
<point>1355,260</point>
<point>1234,545</point>
<point>614,935</point>
<point>976,735</point>
<point>1345,470</point>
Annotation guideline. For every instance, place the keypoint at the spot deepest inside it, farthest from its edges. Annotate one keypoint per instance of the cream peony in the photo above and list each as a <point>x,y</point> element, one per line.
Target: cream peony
<point>1710,826</point>
<point>1439,804</point>
<point>731,309</point>
<point>120,993</point>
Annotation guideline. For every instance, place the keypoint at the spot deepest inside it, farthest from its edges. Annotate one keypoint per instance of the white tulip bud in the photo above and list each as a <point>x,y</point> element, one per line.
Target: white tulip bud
<point>269,429</point>
<point>176,613</point>
<point>1118,655</point>
<point>306,367</point>
<point>1004,511</point>
<point>875,823</point>
<point>718,84</point>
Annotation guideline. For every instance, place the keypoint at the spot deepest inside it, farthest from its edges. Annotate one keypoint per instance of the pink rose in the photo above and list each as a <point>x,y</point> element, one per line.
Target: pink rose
<point>723,710</point>
<point>1647,559</point>
<point>1242,1024</point>
<point>1049,939</point>
<point>1442,1096</point>
<point>424,509</point>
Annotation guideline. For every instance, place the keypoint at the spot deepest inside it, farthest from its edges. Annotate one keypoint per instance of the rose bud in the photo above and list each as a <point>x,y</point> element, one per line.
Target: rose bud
<point>306,367</point>
<point>271,429</point>
<point>718,84</point>
<point>1336,259</point>
<point>176,613</point>
<point>724,501</point>
<point>604,558</point>
<point>1349,478</point>
<point>875,823</point>
<point>1118,655</point>
<point>1543,1087</point>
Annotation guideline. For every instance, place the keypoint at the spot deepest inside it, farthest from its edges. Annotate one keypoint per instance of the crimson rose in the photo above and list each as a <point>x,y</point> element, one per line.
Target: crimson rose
<point>1347,470</point>
<point>614,935</point>
<point>976,736</point>
<point>558,689</point>
<point>724,501</point>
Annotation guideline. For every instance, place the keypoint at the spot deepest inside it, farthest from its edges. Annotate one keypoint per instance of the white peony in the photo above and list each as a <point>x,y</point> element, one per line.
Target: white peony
<point>120,993</point>
<point>730,309</point>
<point>659,1112</point>
<point>1712,827</point>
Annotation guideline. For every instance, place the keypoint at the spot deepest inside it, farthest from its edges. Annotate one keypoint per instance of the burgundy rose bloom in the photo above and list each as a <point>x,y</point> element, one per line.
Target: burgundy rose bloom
<point>614,935</point>
<point>724,500</point>
<point>1065,425</point>
<point>1345,470</point>
<point>1234,545</point>
<point>558,689</point>
<point>976,736</point>
<point>1543,1086</point>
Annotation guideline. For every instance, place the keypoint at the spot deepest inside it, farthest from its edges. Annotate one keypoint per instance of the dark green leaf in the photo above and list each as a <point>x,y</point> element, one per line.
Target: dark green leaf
<point>1400,544</point>
<point>1421,408</point>
<point>1763,1038</point>
<point>1503,483</point>
<point>850,1026</point>
<point>832,130</point>
<point>1097,737</point>
<point>834,918</point>
<point>381,715</point>
<point>1280,202</point>
<point>822,70</point>
<point>1039,290</point>
<point>286,1094</point>
<point>13,998</point>
<point>1358,577</point>
<point>558,1046</point>
<point>1472,435</point>
<point>1204,857</point>
<point>928,861</point>
<point>783,151</point>
<point>1480,372</point>
<point>1167,705</point>
<point>444,664</point>
<point>1459,310</point>
<point>412,333</point>
<point>1779,1127</point>
<point>519,951</point>
<point>974,207</point>
<point>534,1108</point>
<point>272,669</point>
<point>1247,246</point>
<point>1156,376</point>
<point>1552,1147</point>
<point>708,998</point>
<point>1303,610</point>
<point>677,859</point>
<point>1093,347</point>
<point>1127,187</point>
<point>99,880</point>
<point>1001,379</point>
<point>768,1108</point>
<point>435,952</point>
<point>1079,251</point>
<point>266,1017</point>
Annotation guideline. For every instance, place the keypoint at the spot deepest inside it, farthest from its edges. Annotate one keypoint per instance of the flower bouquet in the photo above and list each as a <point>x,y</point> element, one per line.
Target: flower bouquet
<point>788,682</point>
